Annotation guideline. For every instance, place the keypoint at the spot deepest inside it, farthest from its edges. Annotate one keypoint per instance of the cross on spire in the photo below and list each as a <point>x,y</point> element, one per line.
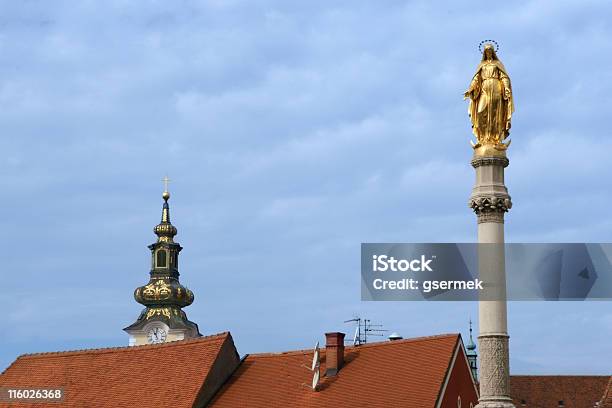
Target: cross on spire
<point>166,180</point>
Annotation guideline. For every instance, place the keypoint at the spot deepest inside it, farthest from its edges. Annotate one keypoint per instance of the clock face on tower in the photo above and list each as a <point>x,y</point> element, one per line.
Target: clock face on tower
<point>156,335</point>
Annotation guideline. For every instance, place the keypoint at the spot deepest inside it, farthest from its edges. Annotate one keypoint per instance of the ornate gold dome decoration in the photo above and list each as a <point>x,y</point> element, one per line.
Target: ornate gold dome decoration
<point>157,291</point>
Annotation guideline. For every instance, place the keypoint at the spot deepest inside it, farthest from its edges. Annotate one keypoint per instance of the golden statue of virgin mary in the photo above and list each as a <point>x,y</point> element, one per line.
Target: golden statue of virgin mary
<point>491,103</point>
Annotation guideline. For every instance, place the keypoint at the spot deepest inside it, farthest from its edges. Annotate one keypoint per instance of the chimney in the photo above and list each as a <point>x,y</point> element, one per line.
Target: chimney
<point>334,353</point>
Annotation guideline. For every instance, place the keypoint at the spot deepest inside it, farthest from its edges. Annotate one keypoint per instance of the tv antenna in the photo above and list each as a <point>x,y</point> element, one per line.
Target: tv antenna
<point>315,358</point>
<point>315,380</point>
<point>365,328</point>
<point>316,363</point>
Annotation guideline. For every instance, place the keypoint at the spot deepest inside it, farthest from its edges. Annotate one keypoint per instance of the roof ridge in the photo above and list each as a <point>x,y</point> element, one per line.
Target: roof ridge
<point>102,350</point>
<point>367,345</point>
<point>283,353</point>
<point>408,340</point>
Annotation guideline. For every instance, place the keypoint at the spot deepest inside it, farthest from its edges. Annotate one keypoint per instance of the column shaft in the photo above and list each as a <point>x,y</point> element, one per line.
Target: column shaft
<point>490,201</point>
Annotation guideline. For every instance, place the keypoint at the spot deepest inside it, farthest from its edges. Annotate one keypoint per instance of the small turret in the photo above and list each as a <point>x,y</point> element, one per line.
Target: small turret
<point>471,355</point>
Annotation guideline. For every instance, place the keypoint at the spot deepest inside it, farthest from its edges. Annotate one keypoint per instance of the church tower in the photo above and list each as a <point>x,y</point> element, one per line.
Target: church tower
<point>472,356</point>
<point>163,319</point>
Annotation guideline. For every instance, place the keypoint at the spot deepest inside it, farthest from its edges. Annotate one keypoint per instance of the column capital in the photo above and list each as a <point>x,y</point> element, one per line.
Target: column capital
<point>490,208</point>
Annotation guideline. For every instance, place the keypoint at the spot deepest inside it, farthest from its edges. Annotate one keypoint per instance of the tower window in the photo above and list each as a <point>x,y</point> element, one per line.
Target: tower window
<point>161,259</point>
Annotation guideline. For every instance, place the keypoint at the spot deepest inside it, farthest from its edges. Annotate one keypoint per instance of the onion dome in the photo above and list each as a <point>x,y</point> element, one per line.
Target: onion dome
<point>163,292</point>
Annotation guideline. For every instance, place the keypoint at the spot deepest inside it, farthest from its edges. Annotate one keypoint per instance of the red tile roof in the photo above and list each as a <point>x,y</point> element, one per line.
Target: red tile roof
<point>606,400</point>
<point>576,391</point>
<point>161,375</point>
<point>406,373</point>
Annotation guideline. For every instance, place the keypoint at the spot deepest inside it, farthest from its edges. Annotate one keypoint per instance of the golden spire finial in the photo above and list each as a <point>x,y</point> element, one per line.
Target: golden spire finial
<point>165,230</point>
<point>166,193</point>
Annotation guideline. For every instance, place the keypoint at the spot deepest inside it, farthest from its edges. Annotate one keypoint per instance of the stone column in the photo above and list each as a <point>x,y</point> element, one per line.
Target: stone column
<point>490,201</point>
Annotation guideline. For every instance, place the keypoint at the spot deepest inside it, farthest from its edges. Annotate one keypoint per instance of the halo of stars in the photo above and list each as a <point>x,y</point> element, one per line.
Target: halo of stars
<point>488,41</point>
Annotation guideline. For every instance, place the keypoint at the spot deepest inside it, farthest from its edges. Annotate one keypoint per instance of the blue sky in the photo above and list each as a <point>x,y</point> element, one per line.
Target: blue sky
<point>292,131</point>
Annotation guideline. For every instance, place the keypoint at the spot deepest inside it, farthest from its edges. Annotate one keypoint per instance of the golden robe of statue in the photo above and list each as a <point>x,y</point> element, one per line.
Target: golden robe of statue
<point>491,101</point>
